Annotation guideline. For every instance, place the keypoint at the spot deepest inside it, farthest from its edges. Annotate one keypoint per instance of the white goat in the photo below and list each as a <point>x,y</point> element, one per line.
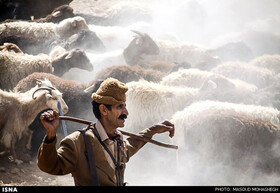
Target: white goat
<point>221,135</point>
<point>18,110</point>
<point>271,62</point>
<point>192,77</point>
<point>196,78</point>
<point>224,88</point>
<point>43,31</point>
<point>260,76</point>
<point>149,102</point>
<point>16,66</point>
<point>34,37</point>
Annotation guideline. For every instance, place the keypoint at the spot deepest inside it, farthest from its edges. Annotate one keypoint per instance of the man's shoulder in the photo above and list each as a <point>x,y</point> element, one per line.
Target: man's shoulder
<point>80,132</point>
<point>76,135</point>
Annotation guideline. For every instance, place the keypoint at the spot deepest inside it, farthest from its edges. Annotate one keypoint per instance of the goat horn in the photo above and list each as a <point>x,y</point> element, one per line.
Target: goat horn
<point>42,88</point>
<point>94,86</point>
<point>88,89</point>
<point>137,32</point>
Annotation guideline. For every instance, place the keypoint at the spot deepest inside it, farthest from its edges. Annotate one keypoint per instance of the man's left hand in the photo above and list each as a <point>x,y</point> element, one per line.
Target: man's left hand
<point>163,127</point>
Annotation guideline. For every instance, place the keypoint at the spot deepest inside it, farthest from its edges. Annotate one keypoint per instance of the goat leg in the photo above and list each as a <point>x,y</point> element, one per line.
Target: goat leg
<point>17,161</point>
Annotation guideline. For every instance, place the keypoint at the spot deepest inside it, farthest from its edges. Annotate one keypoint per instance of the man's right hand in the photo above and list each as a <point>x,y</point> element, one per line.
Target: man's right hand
<point>50,120</point>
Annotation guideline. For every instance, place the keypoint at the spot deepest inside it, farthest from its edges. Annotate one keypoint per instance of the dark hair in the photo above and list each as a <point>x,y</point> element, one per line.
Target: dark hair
<point>95,109</point>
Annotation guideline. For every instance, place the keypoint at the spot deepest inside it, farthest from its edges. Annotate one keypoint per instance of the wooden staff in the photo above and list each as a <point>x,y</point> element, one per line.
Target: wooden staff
<point>143,138</point>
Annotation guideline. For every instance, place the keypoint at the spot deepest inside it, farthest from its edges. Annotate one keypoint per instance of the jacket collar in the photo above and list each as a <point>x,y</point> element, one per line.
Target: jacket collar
<point>101,131</point>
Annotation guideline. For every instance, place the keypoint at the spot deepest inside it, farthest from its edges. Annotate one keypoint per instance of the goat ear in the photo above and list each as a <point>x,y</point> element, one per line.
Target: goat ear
<point>38,82</point>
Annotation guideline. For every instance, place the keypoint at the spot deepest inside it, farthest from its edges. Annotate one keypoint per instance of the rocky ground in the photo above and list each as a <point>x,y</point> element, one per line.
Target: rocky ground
<point>28,174</point>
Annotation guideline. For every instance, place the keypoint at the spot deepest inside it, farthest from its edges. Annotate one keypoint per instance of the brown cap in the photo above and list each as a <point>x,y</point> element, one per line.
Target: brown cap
<point>110,92</point>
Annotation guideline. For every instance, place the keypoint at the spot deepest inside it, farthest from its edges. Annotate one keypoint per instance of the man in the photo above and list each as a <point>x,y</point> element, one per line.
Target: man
<point>110,152</point>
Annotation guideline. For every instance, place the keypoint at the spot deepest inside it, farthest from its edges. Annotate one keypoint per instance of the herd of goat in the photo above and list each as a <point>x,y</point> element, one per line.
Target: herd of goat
<point>219,101</point>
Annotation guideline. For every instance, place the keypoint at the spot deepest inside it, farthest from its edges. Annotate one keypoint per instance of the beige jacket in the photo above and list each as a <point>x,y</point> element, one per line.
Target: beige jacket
<point>70,157</point>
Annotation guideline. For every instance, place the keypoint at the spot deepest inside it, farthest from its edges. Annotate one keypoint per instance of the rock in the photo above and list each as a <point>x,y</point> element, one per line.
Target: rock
<point>18,162</point>
<point>2,169</point>
<point>15,171</point>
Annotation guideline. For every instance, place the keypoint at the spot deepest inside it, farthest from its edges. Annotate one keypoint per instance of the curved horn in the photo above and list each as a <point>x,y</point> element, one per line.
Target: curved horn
<point>42,88</point>
<point>137,32</point>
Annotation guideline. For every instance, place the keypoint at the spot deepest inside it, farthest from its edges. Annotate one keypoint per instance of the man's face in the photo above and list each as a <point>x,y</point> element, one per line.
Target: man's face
<point>117,115</point>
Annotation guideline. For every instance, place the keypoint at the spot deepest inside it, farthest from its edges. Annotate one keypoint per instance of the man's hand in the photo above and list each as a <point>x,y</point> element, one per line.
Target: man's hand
<point>163,127</point>
<point>50,120</point>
